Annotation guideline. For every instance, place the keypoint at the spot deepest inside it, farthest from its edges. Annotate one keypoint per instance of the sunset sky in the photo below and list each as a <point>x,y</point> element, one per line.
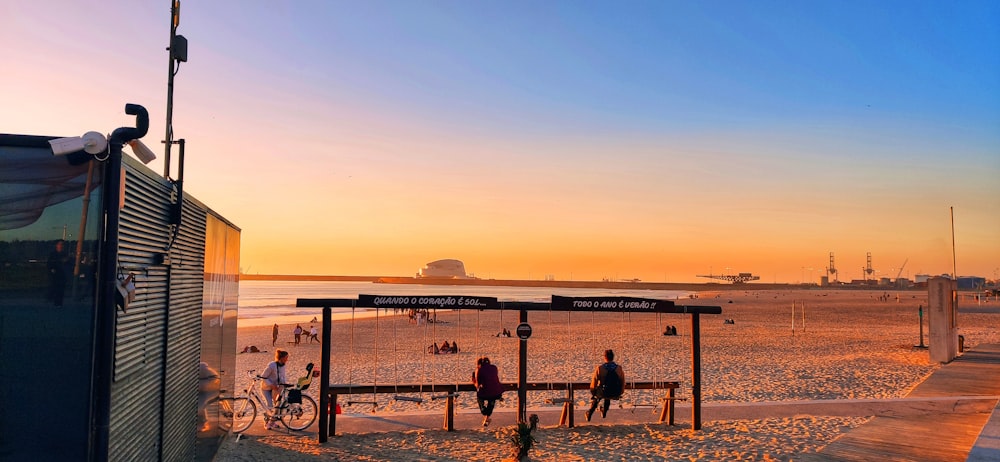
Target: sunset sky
<point>577,140</point>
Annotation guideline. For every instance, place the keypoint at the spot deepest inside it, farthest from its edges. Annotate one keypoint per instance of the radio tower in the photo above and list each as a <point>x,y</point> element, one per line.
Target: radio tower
<point>832,269</point>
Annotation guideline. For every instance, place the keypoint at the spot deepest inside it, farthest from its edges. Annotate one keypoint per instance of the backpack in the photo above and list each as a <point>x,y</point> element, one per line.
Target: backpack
<point>611,386</point>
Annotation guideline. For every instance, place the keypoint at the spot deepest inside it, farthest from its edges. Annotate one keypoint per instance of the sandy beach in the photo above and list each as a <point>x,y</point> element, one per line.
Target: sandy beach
<point>842,345</point>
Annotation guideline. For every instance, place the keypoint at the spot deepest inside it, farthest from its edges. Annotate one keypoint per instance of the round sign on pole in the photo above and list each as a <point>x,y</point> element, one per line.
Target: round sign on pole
<point>523,331</point>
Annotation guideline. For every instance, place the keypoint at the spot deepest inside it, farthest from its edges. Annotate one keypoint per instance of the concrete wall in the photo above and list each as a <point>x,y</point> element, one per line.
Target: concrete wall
<point>942,320</point>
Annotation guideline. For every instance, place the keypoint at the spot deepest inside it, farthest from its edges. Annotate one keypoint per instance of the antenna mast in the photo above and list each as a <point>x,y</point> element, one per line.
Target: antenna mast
<point>178,53</point>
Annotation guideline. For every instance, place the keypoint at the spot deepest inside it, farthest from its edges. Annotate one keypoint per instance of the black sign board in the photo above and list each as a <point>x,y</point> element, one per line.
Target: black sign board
<point>428,301</point>
<point>616,304</point>
<point>523,331</point>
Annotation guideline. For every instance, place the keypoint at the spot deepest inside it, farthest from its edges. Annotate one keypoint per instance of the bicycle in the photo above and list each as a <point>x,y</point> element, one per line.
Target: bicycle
<point>294,412</point>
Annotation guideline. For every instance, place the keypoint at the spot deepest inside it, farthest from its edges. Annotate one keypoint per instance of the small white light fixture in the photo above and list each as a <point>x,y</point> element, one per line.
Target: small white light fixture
<point>94,143</point>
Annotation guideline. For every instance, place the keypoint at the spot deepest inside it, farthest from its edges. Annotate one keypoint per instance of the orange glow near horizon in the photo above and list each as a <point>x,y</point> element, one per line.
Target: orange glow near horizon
<point>356,142</point>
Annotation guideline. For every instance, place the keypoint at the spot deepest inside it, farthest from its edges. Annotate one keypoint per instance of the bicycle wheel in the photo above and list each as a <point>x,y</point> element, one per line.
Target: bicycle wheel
<point>300,416</point>
<point>242,411</point>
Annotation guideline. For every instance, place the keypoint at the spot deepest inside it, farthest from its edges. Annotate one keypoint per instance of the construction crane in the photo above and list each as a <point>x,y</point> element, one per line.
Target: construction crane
<point>733,278</point>
<point>901,268</point>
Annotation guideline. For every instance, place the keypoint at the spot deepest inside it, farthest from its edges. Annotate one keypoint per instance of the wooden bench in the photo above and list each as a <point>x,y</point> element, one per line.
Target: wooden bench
<point>451,391</point>
<point>568,415</point>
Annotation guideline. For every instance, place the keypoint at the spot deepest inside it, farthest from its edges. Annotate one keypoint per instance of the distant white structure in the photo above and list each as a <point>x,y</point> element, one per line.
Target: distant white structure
<point>448,268</point>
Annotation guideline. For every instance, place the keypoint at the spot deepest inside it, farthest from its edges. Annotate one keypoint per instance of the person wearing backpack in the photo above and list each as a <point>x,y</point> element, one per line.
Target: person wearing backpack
<point>607,384</point>
<point>486,378</point>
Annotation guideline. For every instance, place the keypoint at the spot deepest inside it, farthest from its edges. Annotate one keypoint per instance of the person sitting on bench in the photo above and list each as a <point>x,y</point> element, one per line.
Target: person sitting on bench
<point>606,384</point>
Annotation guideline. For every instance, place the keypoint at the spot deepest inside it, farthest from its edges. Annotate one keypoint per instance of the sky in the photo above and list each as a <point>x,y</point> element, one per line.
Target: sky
<point>578,140</point>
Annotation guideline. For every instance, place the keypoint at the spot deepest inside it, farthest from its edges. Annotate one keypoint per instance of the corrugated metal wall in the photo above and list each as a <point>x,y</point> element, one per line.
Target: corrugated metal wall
<point>154,393</point>
<point>187,275</point>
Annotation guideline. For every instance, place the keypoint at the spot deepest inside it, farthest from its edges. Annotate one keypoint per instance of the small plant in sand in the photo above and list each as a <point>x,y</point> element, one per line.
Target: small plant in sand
<point>521,439</point>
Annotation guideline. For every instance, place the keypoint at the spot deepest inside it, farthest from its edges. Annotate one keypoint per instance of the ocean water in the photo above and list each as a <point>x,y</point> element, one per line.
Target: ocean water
<point>264,302</point>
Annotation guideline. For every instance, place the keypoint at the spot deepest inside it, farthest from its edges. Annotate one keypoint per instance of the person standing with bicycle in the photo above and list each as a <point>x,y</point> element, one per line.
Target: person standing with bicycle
<point>273,378</point>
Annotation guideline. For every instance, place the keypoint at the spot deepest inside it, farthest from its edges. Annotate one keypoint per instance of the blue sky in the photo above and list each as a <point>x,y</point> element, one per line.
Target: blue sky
<point>594,139</point>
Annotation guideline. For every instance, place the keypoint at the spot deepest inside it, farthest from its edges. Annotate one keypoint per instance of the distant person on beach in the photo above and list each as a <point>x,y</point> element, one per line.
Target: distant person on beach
<point>298,334</point>
<point>59,271</point>
<point>454,347</point>
<point>445,347</point>
<point>273,377</point>
<point>433,349</point>
<point>606,384</point>
<point>313,334</point>
<point>274,334</point>
<point>486,378</point>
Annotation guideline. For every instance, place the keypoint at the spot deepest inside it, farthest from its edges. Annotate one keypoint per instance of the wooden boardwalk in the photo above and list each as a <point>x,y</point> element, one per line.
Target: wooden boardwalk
<point>946,437</point>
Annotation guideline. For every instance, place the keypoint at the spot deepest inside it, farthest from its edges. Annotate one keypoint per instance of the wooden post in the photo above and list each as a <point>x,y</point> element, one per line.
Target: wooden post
<point>793,318</point>
<point>572,406</point>
<point>333,416</point>
<point>566,418</point>
<point>667,413</point>
<point>327,406</point>
<point>522,375</point>
<point>695,371</point>
<point>449,413</point>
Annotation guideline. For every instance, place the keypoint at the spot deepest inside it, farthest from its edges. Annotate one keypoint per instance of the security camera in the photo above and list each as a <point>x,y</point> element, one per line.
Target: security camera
<point>141,151</point>
<point>64,146</point>
<point>91,142</point>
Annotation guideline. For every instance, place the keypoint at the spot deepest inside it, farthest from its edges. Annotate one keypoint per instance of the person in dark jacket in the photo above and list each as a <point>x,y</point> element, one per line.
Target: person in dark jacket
<point>607,384</point>
<point>486,378</point>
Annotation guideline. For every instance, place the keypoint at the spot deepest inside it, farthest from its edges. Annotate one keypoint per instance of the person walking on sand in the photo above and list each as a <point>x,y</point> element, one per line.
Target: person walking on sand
<point>486,378</point>
<point>606,384</point>
<point>314,334</point>
<point>274,377</point>
<point>298,334</point>
<point>274,334</point>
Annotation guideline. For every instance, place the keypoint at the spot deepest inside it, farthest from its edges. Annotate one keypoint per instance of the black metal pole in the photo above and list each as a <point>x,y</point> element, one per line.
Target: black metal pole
<point>169,137</point>
<point>104,310</point>
<point>522,375</point>
<point>920,315</point>
<point>695,371</point>
<point>325,413</point>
